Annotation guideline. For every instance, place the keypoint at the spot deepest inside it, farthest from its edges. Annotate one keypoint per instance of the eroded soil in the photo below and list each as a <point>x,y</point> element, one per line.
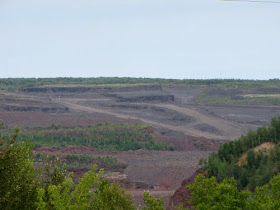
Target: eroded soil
<point>194,130</point>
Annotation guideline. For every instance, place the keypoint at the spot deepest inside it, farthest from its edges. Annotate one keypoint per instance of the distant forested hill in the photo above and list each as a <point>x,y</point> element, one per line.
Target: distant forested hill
<point>16,84</point>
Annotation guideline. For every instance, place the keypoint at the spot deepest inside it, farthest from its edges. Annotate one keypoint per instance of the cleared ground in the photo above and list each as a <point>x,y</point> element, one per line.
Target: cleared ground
<point>194,130</point>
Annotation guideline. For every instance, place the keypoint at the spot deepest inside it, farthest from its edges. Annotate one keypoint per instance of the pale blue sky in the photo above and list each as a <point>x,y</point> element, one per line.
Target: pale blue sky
<point>139,38</point>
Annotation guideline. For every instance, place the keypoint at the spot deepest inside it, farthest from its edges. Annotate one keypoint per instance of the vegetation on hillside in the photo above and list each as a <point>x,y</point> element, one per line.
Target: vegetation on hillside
<point>260,166</point>
<point>252,99</point>
<point>17,84</point>
<point>207,193</point>
<point>85,161</point>
<point>49,187</point>
<point>104,136</point>
<point>249,89</point>
<point>244,174</point>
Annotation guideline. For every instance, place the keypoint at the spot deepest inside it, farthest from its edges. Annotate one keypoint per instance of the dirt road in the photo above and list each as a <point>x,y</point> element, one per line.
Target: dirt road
<point>223,125</point>
<point>187,130</point>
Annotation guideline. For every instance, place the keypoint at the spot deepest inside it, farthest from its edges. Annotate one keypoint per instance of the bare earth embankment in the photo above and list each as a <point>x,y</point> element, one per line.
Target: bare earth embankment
<point>195,129</point>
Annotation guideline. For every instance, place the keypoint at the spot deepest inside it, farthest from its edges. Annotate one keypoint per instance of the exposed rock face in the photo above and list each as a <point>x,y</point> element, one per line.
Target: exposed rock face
<point>147,98</point>
<point>140,93</point>
<point>207,128</point>
<point>101,89</point>
<point>34,108</point>
<point>182,195</point>
<point>267,90</point>
<point>159,98</point>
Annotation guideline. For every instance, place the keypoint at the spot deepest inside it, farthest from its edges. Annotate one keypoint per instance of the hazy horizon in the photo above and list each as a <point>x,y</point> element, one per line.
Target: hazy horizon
<point>142,78</point>
<point>139,38</point>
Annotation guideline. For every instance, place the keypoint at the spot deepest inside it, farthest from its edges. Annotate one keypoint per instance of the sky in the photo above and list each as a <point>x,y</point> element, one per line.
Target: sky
<point>180,39</point>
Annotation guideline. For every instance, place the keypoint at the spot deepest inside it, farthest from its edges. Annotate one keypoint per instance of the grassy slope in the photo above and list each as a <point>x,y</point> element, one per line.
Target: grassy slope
<point>104,136</point>
<point>248,99</point>
<point>85,161</point>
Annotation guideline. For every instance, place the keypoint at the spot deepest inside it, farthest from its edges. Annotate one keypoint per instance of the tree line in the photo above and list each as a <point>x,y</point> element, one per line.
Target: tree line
<point>260,165</point>
<point>244,174</point>
<point>17,84</point>
<point>207,193</point>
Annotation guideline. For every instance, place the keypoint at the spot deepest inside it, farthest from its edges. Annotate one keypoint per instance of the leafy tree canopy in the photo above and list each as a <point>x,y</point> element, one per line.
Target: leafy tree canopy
<point>22,186</point>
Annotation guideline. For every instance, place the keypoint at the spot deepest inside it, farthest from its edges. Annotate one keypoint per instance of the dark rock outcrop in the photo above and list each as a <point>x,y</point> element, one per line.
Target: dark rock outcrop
<point>96,89</point>
<point>34,108</point>
<point>182,195</point>
<point>142,98</point>
<point>158,98</point>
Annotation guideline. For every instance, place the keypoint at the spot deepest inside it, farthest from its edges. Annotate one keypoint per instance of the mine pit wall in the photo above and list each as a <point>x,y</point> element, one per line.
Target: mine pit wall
<point>161,98</point>
<point>97,89</point>
<point>42,109</point>
<point>157,98</point>
<point>140,93</point>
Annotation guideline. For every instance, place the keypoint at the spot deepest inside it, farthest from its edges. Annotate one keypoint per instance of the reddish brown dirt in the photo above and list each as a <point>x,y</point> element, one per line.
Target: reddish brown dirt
<point>29,118</point>
<point>68,150</point>
<point>182,195</point>
<point>159,169</point>
<point>176,121</point>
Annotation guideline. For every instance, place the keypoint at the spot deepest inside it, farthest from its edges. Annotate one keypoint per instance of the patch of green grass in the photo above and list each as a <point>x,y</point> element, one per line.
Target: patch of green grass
<point>104,136</point>
<point>261,96</point>
<point>214,99</point>
<point>85,161</point>
<point>250,99</point>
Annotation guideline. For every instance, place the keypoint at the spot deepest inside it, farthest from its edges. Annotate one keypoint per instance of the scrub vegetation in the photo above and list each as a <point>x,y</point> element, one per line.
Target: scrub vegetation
<point>50,187</point>
<point>17,84</point>
<point>85,161</point>
<point>104,136</point>
<point>248,99</point>
<point>244,174</point>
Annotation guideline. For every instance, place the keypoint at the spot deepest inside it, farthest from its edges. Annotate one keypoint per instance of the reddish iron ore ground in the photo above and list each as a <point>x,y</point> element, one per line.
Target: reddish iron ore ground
<point>162,170</point>
<point>35,118</point>
<point>159,172</point>
<point>194,130</point>
<point>182,195</point>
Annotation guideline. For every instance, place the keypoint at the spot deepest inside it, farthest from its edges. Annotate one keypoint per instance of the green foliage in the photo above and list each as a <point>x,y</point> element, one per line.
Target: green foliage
<point>92,193</point>
<point>227,177</point>
<point>16,84</point>
<point>202,163</point>
<point>120,137</point>
<point>260,167</point>
<point>85,161</point>
<point>112,196</point>
<point>3,125</point>
<point>47,187</point>
<point>214,99</point>
<point>208,194</point>
<point>152,203</point>
<point>51,171</point>
<point>268,196</point>
<point>17,185</point>
<point>205,98</point>
<point>20,181</point>
<point>89,193</point>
